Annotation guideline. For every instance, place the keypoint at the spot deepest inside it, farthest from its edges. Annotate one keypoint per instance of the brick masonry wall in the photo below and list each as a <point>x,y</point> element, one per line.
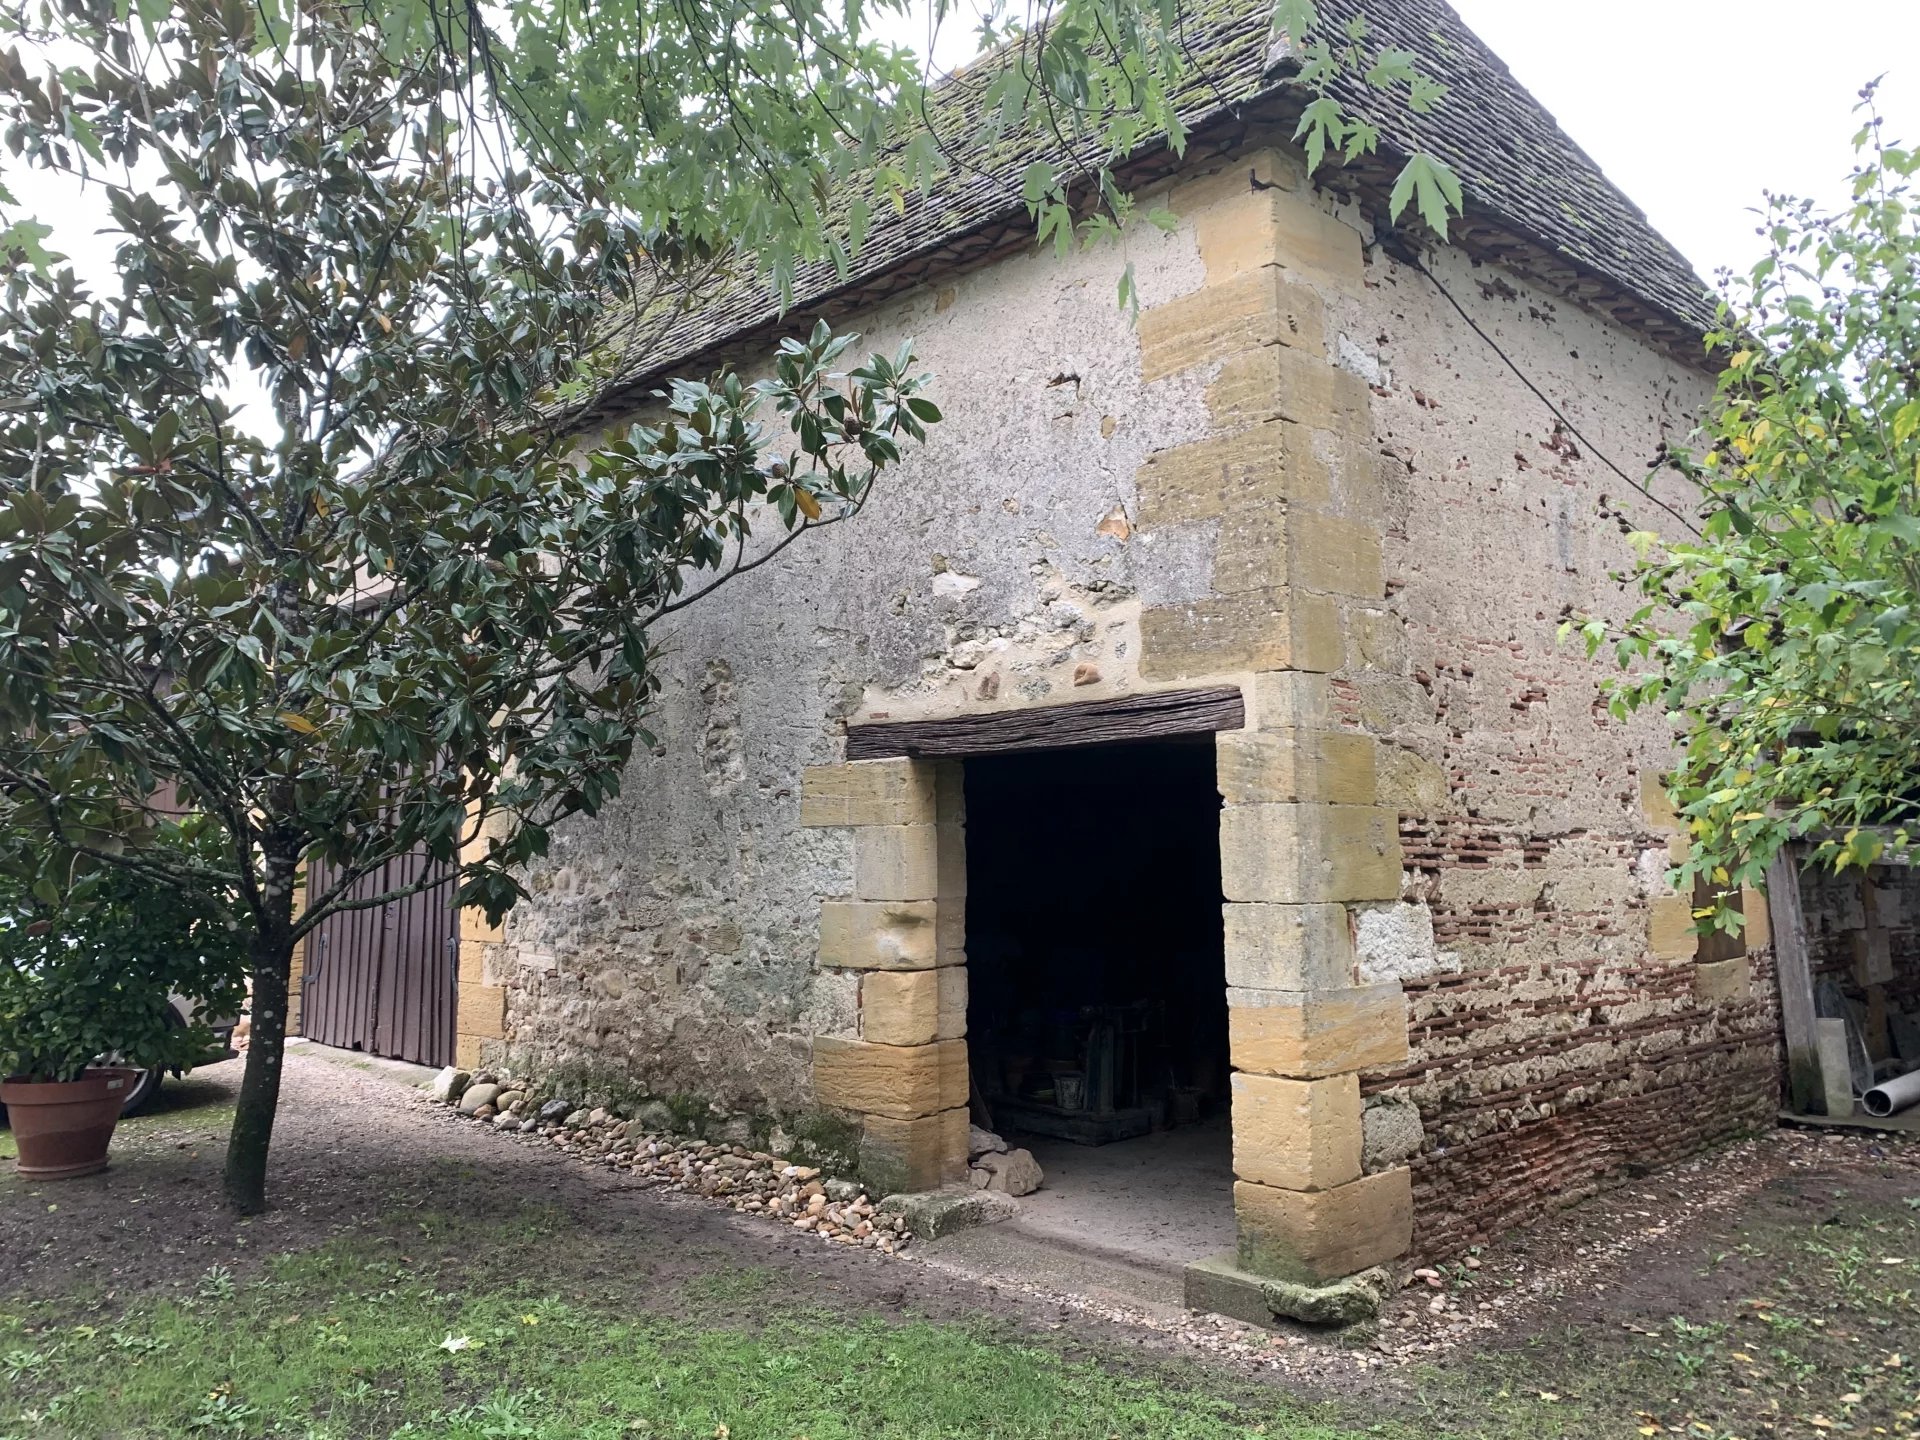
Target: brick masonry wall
<point>1539,1085</point>
<point>1561,1035</point>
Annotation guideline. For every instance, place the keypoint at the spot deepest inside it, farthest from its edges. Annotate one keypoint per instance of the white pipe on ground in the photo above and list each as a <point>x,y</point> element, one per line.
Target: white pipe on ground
<point>1896,1094</point>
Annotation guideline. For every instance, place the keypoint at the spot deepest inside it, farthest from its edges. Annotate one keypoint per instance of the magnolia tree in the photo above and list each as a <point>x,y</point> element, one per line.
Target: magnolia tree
<point>392,603</point>
<point>402,609</point>
<point>1784,637</point>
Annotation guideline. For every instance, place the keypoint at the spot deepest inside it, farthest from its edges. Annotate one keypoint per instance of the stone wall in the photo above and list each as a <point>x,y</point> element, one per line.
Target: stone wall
<point>1301,474</point>
<point>1561,1033</point>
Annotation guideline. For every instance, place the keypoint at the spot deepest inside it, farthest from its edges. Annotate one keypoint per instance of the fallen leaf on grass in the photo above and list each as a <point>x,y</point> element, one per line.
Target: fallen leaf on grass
<point>454,1344</point>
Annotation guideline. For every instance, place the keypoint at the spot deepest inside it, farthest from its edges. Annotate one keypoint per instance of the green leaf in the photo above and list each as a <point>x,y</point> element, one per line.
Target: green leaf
<point>25,237</point>
<point>1322,125</point>
<point>1431,187</point>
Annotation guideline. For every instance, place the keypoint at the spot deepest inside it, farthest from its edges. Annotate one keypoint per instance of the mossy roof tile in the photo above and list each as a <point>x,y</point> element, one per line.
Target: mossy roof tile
<point>1519,170</point>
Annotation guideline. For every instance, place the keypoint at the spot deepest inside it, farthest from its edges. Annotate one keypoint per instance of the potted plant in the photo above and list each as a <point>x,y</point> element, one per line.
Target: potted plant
<point>87,976</point>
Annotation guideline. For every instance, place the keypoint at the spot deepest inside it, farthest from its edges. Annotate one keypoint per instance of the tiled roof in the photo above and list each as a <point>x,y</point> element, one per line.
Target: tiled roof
<point>1524,180</point>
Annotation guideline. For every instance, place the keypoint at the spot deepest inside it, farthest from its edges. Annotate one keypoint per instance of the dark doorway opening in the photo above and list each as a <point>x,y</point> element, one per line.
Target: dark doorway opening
<point>1096,973</point>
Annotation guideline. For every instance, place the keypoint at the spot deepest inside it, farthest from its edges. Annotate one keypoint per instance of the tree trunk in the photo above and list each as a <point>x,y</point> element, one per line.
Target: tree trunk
<point>271,959</point>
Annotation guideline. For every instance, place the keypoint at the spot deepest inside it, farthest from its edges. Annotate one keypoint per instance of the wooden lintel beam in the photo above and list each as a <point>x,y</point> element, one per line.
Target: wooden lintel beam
<point>1154,716</point>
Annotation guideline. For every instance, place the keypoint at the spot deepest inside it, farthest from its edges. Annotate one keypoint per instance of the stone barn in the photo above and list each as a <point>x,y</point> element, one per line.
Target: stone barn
<point>1179,752</point>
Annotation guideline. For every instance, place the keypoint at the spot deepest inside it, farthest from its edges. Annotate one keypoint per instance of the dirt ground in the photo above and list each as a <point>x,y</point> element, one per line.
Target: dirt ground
<point>1769,1288</point>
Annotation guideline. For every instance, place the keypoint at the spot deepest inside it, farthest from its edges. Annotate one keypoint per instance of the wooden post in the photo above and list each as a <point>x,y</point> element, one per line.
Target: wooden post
<point>1805,1085</point>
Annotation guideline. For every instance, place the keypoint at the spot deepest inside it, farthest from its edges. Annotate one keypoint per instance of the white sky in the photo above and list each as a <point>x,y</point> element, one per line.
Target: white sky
<point>1693,107</point>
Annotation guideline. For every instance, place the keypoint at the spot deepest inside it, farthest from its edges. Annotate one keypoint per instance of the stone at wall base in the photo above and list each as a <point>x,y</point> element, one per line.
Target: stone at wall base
<point>450,1084</point>
<point>1218,1285</point>
<point>933,1213</point>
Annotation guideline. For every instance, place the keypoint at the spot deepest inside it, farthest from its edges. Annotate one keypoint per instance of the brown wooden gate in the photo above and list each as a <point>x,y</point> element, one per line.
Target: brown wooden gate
<point>381,979</point>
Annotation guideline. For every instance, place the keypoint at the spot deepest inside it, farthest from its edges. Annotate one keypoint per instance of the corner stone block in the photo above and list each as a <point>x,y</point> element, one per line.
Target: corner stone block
<point>478,963</point>
<point>950,865</point>
<point>482,1012</point>
<point>1279,227</point>
<point>910,1155</point>
<point>1656,808</point>
<point>1670,933</point>
<point>904,1082</point>
<point>1309,854</point>
<point>1229,183</point>
<point>952,1002</point>
<point>1243,312</point>
<point>868,792</point>
<point>466,1052</point>
<point>950,935</point>
<point>900,1007</point>
<point>1250,469</point>
<point>1264,769</point>
<point>474,926</point>
<point>1723,982</point>
<point>1377,640</point>
<point>1758,931</point>
<point>1409,782</point>
<point>1259,549</point>
<point>493,827</point>
<point>1296,1134</point>
<point>1320,1235</point>
<point>879,935</point>
<point>1339,556</point>
<point>949,793</point>
<point>896,862</point>
<point>1305,1035</point>
<point>1290,700</point>
<point>1288,947</point>
<point>1282,384</point>
<point>1276,629</point>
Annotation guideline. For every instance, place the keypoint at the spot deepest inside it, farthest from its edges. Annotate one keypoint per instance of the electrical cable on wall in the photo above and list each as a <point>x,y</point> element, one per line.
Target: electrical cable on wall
<point>1405,254</point>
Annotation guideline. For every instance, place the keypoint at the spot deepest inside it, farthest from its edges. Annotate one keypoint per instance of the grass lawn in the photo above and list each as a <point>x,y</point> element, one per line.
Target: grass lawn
<point>1803,1324</point>
<point>361,1339</point>
<point>422,1281</point>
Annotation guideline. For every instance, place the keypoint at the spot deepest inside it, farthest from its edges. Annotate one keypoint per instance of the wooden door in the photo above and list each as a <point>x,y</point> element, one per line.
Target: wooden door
<point>381,979</point>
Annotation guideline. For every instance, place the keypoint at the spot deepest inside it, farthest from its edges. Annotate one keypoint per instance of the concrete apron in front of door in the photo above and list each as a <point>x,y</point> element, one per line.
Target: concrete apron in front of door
<point>1300,840</point>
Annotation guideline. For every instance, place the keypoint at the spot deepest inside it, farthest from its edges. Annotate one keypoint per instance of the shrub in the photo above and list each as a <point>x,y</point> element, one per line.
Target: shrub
<point>89,974</point>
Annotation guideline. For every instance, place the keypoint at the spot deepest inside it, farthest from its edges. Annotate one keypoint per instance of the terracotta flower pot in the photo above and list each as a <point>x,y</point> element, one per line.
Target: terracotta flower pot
<point>62,1127</point>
